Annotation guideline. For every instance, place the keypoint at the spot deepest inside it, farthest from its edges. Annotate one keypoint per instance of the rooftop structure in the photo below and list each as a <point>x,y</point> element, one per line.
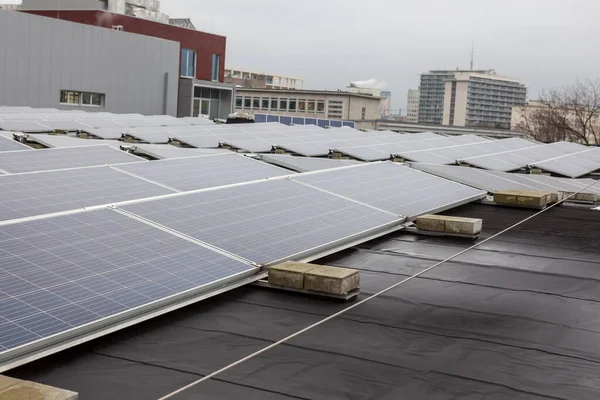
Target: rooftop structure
<point>143,267</point>
<point>336,105</point>
<point>261,80</point>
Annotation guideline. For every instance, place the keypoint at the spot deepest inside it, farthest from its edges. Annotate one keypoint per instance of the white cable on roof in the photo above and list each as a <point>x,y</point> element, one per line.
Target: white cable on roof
<point>337,314</point>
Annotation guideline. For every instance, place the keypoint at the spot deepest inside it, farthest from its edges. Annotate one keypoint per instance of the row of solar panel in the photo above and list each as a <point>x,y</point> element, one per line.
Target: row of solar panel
<point>62,274</point>
<point>288,120</point>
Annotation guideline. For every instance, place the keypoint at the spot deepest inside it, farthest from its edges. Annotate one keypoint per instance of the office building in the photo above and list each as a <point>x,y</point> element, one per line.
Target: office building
<point>261,80</point>
<point>431,98</point>
<point>337,105</point>
<point>412,106</point>
<point>386,103</point>
<point>199,79</point>
<point>49,63</point>
<point>481,100</point>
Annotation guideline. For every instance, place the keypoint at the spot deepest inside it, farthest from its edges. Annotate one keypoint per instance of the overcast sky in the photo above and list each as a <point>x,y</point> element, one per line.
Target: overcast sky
<point>544,43</point>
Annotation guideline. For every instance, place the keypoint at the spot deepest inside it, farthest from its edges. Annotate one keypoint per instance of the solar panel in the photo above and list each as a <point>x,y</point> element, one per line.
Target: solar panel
<point>24,126</point>
<point>206,142</point>
<point>306,149</point>
<point>31,194</point>
<point>7,143</point>
<point>268,221</point>
<point>103,123</point>
<point>66,125</point>
<point>63,141</point>
<point>158,136</point>
<point>493,181</point>
<point>52,159</point>
<point>136,122</point>
<point>165,151</point>
<point>198,121</point>
<point>253,146</point>
<point>573,165</point>
<point>107,133</point>
<point>67,277</point>
<point>203,172</point>
<point>394,188</point>
<point>516,159</point>
<point>305,164</point>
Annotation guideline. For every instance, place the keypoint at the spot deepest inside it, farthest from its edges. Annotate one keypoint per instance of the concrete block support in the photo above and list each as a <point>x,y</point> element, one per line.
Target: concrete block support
<point>331,280</point>
<point>16,389</point>
<point>450,225</point>
<point>289,274</point>
<point>523,198</point>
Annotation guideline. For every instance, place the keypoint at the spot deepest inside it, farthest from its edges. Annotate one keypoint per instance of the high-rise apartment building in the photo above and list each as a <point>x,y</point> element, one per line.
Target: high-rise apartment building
<point>412,106</point>
<point>432,88</point>
<point>481,100</point>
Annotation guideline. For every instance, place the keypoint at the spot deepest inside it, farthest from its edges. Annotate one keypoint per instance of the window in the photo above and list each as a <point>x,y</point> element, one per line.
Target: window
<point>321,107</point>
<point>239,101</point>
<point>256,103</point>
<point>86,99</point>
<point>364,113</point>
<point>188,63</point>
<point>247,103</point>
<point>292,105</point>
<point>265,103</point>
<point>310,106</point>
<point>301,105</point>
<point>216,63</point>
<point>274,104</point>
<point>283,105</point>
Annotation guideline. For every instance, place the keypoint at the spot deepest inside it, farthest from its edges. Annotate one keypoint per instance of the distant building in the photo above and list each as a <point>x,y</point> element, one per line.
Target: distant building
<point>386,103</point>
<point>412,106</point>
<point>338,105</point>
<point>261,80</point>
<point>431,98</point>
<point>481,100</point>
<point>198,82</point>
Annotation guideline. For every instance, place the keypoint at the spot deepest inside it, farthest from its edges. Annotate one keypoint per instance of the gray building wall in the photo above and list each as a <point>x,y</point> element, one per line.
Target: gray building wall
<point>41,56</point>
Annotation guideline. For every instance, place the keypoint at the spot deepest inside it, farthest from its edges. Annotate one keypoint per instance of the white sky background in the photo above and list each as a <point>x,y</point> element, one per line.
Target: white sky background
<point>544,43</point>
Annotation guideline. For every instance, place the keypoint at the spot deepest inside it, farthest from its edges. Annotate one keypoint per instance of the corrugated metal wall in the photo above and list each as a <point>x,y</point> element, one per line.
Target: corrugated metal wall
<point>41,56</point>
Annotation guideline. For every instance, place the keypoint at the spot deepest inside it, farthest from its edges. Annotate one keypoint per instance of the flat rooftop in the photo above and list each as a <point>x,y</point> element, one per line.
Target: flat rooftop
<point>513,319</point>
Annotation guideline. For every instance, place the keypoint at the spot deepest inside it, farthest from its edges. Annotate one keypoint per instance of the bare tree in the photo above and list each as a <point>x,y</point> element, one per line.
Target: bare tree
<point>570,113</point>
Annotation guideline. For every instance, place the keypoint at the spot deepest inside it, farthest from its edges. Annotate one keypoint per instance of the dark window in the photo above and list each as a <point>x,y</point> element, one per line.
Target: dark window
<point>265,103</point>
<point>292,105</point>
<point>320,106</point>
<point>205,94</point>
<point>216,63</point>
<point>239,101</point>
<point>247,102</point>
<point>188,63</point>
<point>256,103</point>
<point>215,94</point>
<point>274,104</point>
<point>283,105</point>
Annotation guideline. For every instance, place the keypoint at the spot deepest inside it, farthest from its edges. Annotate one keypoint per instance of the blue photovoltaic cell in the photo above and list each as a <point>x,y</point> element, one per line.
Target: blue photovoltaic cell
<point>285,120</point>
<point>27,195</point>
<point>272,118</point>
<point>323,123</point>
<point>260,118</point>
<point>264,222</point>
<point>298,121</point>
<point>345,123</point>
<point>73,157</point>
<point>58,274</point>
<point>204,172</point>
<point>310,121</point>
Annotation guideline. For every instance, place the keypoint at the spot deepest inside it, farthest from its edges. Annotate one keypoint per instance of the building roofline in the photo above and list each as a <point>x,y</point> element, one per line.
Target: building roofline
<point>263,73</point>
<point>304,91</point>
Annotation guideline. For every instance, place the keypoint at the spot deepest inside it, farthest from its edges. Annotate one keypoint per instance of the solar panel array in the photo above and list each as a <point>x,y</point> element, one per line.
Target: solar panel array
<point>494,181</point>
<point>572,165</point>
<point>265,222</point>
<point>51,159</point>
<point>393,187</point>
<point>305,164</point>
<point>7,143</point>
<point>62,141</point>
<point>30,120</point>
<point>75,271</point>
<point>516,159</point>
<point>165,151</point>
<point>202,172</point>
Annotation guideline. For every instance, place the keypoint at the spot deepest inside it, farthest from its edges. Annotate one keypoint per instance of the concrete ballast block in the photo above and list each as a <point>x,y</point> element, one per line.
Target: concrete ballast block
<point>449,224</point>
<point>526,198</point>
<point>431,223</point>
<point>32,391</point>
<point>332,280</point>
<point>289,274</point>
